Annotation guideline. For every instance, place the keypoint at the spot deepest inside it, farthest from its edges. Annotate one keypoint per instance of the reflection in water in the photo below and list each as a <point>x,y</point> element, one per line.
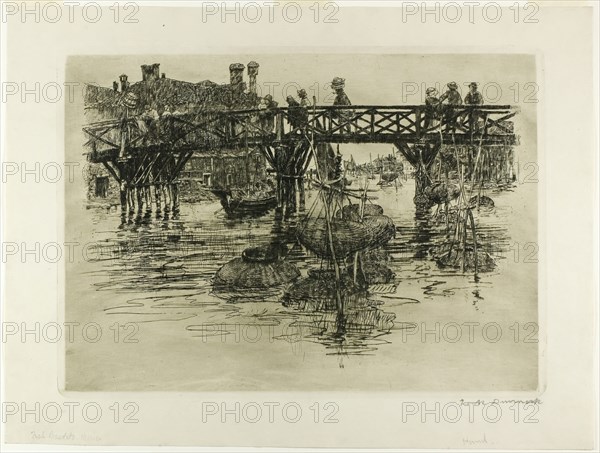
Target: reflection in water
<point>167,267</point>
<point>422,234</point>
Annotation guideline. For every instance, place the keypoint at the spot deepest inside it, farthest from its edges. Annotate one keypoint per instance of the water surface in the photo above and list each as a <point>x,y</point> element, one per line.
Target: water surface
<point>432,329</point>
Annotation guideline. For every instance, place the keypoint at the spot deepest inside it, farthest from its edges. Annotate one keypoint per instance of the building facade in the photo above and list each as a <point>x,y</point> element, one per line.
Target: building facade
<point>223,168</point>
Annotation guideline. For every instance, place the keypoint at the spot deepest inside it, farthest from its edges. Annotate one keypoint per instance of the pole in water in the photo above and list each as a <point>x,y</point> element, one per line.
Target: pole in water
<point>123,199</point>
<point>472,221</point>
<point>148,201</point>
<point>175,193</point>
<point>140,202</point>
<point>336,268</point>
<point>157,199</point>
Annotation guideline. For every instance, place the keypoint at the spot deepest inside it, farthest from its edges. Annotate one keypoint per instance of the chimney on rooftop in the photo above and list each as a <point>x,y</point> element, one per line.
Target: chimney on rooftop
<point>124,82</point>
<point>252,73</point>
<point>236,75</point>
<point>150,72</point>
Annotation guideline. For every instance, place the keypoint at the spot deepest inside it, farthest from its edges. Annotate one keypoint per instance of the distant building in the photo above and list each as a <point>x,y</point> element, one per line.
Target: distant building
<point>101,185</point>
<point>220,168</point>
<point>225,169</point>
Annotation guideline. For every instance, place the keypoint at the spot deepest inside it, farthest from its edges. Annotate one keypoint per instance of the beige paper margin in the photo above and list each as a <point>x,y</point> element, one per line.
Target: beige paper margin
<point>567,424</point>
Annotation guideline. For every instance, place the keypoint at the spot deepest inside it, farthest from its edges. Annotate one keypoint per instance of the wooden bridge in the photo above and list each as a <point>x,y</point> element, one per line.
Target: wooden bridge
<point>145,152</point>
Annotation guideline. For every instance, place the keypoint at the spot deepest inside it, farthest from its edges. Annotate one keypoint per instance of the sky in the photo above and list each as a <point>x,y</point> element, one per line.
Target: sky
<point>379,79</point>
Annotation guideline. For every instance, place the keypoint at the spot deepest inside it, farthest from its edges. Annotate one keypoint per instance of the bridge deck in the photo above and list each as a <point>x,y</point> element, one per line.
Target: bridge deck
<point>209,130</point>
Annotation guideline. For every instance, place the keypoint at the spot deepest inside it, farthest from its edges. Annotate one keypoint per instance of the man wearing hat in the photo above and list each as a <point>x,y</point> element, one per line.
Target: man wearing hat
<point>473,97</point>
<point>432,107</point>
<point>267,115</point>
<point>341,98</point>
<point>452,95</point>
<point>453,98</point>
<point>304,101</point>
<point>147,123</point>
<point>295,115</point>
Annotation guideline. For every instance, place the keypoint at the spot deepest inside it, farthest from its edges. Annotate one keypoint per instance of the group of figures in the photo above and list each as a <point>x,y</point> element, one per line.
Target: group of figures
<point>298,109</point>
<point>442,106</point>
<point>154,126</point>
<point>437,106</point>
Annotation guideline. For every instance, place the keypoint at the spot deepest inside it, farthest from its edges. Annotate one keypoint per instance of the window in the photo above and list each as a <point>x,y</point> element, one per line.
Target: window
<point>102,186</point>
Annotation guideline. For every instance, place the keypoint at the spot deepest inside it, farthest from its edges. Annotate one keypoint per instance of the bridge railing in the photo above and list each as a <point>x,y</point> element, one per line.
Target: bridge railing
<point>372,124</point>
<point>380,123</point>
<point>333,124</point>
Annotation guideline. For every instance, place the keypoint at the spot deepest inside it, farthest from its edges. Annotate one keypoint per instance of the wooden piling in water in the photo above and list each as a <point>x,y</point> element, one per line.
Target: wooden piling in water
<point>175,198</point>
<point>157,199</point>
<point>123,200</point>
<point>140,203</point>
<point>148,201</point>
<point>131,202</point>
<point>302,193</point>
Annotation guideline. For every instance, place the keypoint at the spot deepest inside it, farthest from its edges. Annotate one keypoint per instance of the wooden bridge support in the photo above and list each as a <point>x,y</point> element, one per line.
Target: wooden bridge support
<point>130,201</point>
<point>421,156</point>
<point>495,165</point>
<point>166,192</point>
<point>491,164</point>
<point>175,198</point>
<point>146,183</point>
<point>301,192</point>
<point>290,161</point>
<point>139,192</point>
<point>158,189</point>
<point>124,201</point>
<point>141,159</point>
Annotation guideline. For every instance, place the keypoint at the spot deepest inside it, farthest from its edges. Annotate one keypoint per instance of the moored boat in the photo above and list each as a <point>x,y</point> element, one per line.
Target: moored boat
<point>388,177</point>
<point>246,202</point>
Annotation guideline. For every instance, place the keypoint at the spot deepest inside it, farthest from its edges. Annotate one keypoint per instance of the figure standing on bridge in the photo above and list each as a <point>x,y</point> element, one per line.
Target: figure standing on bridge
<point>166,123</point>
<point>452,95</point>
<point>147,123</point>
<point>474,97</point>
<point>295,116</point>
<point>304,101</point>
<point>304,106</point>
<point>262,112</point>
<point>453,99</point>
<point>432,108</point>
<point>267,114</point>
<point>341,99</point>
